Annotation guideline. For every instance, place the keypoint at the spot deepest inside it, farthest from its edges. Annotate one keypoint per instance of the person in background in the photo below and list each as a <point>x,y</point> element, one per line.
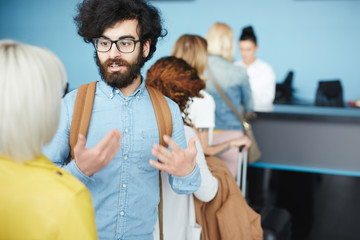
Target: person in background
<point>234,81</point>
<point>123,179</point>
<point>177,80</point>
<point>38,199</point>
<point>261,75</point>
<point>201,110</point>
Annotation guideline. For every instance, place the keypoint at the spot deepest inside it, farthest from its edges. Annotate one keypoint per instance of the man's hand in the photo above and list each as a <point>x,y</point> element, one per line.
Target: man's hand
<point>179,162</point>
<point>92,160</point>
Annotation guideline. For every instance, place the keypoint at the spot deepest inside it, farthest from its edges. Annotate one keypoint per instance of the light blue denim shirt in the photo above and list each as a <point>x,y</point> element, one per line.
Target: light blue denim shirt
<point>234,81</point>
<point>125,193</point>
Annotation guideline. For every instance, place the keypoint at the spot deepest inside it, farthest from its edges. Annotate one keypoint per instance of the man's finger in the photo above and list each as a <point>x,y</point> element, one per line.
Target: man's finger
<point>172,144</point>
<point>112,150</point>
<point>159,156</point>
<point>161,152</point>
<point>157,165</point>
<point>113,136</point>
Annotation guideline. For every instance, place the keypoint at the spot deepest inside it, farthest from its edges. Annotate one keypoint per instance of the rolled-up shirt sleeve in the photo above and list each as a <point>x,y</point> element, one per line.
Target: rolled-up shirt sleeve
<point>187,184</point>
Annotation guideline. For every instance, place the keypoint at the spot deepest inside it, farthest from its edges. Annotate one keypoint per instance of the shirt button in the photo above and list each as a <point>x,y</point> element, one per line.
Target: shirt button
<point>124,185</point>
<point>111,95</point>
<point>137,97</point>
<point>122,213</point>
<point>117,91</point>
<point>125,157</point>
<point>126,130</point>
<point>126,103</point>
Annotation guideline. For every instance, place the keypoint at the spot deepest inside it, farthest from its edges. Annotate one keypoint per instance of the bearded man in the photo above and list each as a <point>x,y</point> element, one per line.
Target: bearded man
<point>114,159</point>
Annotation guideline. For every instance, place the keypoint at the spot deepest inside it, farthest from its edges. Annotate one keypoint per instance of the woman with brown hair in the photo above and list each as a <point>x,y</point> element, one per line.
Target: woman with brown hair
<point>177,80</point>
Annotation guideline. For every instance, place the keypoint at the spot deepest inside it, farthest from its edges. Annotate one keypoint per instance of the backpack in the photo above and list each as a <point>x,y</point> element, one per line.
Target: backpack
<point>82,114</point>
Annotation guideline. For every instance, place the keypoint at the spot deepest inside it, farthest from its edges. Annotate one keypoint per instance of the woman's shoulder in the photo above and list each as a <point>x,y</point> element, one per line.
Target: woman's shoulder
<point>207,102</point>
<point>207,97</point>
<point>45,179</point>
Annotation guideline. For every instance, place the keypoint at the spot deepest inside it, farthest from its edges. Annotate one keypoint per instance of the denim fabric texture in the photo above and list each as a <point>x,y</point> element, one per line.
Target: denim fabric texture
<point>234,81</point>
<point>125,193</point>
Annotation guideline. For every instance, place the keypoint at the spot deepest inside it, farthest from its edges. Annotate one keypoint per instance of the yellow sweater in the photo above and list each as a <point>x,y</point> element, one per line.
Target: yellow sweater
<point>39,200</point>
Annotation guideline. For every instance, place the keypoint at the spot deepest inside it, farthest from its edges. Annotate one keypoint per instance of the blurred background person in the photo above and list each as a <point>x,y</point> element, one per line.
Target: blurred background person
<point>234,81</point>
<point>38,199</point>
<point>193,49</point>
<point>177,80</point>
<point>261,75</point>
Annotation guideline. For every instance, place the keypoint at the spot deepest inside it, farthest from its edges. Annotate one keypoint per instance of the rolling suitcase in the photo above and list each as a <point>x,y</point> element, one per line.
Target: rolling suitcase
<point>242,171</point>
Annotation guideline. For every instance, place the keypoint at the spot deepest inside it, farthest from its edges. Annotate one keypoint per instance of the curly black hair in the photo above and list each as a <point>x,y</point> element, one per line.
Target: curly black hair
<point>94,16</point>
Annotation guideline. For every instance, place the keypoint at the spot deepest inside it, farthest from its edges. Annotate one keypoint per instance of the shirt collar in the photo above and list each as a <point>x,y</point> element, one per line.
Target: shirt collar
<point>111,91</point>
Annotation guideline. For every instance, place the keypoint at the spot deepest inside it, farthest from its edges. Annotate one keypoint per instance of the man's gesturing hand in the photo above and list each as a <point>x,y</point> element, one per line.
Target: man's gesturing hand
<point>92,160</point>
<point>179,162</point>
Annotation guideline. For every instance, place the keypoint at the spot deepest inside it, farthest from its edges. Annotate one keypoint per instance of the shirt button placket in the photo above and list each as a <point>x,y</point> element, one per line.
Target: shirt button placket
<point>124,173</point>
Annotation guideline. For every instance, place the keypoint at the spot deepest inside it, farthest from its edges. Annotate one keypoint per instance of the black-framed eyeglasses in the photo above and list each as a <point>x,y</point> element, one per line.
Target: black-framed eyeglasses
<point>123,45</point>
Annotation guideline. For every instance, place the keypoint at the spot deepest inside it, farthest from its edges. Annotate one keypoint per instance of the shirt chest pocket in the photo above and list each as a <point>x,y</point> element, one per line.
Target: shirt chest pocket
<point>145,145</point>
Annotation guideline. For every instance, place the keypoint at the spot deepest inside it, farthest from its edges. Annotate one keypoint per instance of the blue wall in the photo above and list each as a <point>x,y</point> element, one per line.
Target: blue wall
<point>316,39</point>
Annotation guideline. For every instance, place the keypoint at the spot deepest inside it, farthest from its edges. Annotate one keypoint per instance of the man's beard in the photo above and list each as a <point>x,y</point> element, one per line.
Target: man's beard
<point>117,79</point>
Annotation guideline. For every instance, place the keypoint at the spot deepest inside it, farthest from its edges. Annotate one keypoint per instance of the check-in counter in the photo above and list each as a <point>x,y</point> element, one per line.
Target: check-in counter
<point>310,139</point>
<point>311,167</point>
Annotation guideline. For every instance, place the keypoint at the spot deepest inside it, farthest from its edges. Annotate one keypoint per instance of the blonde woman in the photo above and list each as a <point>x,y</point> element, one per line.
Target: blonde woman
<point>193,49</point>
<point>38,199</point>
<point>235,83</point>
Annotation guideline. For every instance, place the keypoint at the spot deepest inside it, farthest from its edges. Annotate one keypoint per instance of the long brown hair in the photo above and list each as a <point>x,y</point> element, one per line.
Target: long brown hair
<point>177,80</point>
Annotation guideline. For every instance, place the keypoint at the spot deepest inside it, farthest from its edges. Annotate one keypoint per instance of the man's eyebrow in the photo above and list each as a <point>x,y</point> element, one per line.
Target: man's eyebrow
<point>122,37</point>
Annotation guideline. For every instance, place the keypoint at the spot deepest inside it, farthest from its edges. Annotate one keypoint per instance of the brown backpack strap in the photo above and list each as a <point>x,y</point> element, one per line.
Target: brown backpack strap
<point>162,113</point>
<point>164,121</point>
<point>82,113</point>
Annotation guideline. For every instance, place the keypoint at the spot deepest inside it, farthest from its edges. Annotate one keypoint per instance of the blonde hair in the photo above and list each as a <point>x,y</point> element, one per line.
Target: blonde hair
<point>32,82</point>
<point>221,41</point>
<point>193,49</point>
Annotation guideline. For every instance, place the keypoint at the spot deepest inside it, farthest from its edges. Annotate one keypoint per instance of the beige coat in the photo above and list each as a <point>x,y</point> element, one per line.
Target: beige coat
<point>227,216</point>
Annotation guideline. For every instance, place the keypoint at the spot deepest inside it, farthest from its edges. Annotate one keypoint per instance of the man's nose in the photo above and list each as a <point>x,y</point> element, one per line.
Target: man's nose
<point>114,52</point>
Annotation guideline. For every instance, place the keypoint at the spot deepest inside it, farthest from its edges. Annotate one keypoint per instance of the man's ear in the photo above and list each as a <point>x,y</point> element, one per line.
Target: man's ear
<point>146,48</point>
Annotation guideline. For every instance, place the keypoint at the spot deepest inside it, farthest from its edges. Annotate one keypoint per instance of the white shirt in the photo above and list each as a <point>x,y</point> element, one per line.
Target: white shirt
<point>202,112</point>
<point>179,221</point>
<point>262,83</point>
